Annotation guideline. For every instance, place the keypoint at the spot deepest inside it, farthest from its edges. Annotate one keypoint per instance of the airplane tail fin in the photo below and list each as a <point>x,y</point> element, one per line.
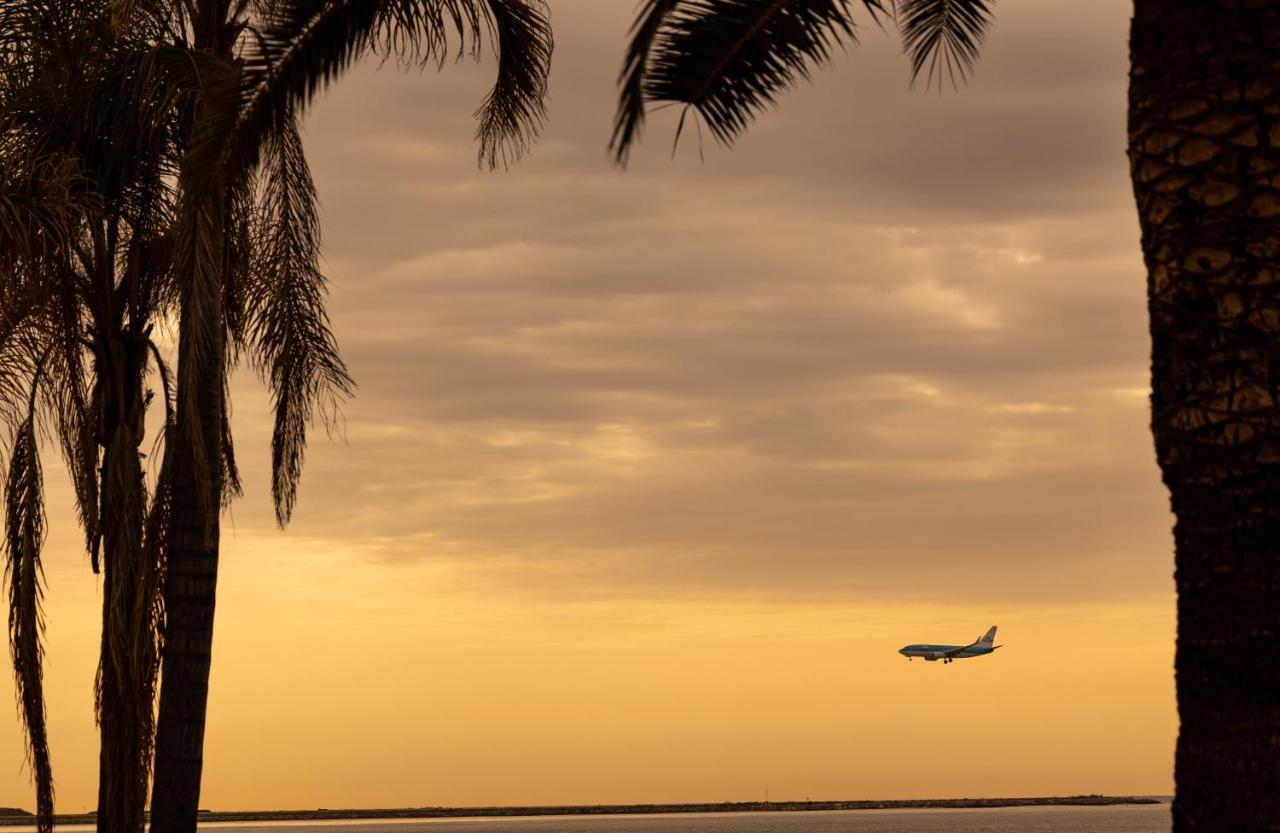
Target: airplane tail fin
<point>988,638</point>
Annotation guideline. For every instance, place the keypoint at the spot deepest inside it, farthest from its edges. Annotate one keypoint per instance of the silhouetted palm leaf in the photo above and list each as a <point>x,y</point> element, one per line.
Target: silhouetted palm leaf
<point>512,113</point>
<point>40,207</point>
<point>70,403</point>
<point>24,305</point>
<point>729,59</point>
<point>303,45</point>
<point>943,36</point>
<point>632,101</point>
<point>300,46</point>
<point>24,539</point>
<point>288,329</point>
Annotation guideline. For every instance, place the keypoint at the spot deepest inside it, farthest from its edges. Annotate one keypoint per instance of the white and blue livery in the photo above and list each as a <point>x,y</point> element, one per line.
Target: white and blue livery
<point>946,653</point>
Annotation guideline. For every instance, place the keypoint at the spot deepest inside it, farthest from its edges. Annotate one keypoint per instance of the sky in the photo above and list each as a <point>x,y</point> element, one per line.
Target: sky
<point>650,473</point>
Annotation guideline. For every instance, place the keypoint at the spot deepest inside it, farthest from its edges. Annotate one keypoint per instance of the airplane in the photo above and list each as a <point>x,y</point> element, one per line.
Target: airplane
<point>947,653</point>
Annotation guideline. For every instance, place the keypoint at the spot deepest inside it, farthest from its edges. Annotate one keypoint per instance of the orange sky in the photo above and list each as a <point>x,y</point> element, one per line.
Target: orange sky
<point>650,474</point>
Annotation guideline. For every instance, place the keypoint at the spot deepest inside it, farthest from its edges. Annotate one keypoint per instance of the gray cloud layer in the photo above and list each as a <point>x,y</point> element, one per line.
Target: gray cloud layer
<point>893,344</point>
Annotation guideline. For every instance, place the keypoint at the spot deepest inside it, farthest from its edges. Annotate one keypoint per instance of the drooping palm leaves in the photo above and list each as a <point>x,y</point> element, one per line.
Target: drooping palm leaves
<point>77,396</point>
<point>301,46</point>
<point>728,60</point>
<point>105,107</point>
<point>290,50</point>
<point>512,112</point>
<point>635,69</point>
<point>24,539</point>
<point>944,37</point>
<point>287,50</point>
<point>288,327</point>
<point>89,129</point>
<point>32,234</point>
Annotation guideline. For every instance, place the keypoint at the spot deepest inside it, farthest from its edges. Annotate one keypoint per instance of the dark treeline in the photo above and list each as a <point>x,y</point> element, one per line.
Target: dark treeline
<point>639,809</point>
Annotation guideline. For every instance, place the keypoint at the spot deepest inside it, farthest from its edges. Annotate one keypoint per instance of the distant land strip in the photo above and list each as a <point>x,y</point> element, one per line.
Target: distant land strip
<point>21,817</point>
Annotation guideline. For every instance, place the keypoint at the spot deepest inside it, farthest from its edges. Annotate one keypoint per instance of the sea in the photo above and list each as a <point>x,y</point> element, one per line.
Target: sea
<point>1138,818</point>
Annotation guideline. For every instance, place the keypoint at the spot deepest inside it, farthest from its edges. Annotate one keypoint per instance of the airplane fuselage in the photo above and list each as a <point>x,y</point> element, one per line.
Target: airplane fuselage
<point>981,646</point>
<point>932,653</point>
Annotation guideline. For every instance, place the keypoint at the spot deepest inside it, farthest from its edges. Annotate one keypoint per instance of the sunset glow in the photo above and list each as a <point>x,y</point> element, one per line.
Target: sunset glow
<point>650,473</point>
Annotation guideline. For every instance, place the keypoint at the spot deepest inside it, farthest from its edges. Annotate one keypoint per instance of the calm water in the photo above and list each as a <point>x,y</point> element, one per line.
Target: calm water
<point>1131,819</point>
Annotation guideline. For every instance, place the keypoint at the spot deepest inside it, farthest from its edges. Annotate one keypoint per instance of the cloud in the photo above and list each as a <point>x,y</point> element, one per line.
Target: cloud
<point>890,334</point>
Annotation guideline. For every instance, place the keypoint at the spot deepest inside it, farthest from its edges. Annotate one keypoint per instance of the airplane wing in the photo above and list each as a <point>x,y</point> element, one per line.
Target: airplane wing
<point>955,651</point>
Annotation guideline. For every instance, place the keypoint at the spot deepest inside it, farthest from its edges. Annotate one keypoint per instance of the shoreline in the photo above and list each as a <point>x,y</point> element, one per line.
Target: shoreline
<point>626,809</point>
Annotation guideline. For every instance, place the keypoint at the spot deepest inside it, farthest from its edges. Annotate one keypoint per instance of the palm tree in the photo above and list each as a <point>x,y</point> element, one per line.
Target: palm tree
<point>87,274</point>
<point>1204,146</point>
<point>266,61</point>
<point>96,245</point>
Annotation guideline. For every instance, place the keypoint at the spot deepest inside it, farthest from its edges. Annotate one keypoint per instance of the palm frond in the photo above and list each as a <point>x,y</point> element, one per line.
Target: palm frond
<point>159,513</point>
<point>300,49</point>
<point>288,329</point>
<point>122,11</point>
<point>166,386</point>
<point>629,120</point>
<point>231,486</point>
<point>40,209</point>
<point>108,102</point>
<point>727,59</point>
<point>512,113</point>
<point>241,240</point>
<point>25,323</point>
<point>419,33</point>
<point>71,401</point>
<point>137,102</point>
<point>943,37</point>
<point>154,17</point>
<point>244,227</point>
<point>303,45</point>
<point>24,539</point>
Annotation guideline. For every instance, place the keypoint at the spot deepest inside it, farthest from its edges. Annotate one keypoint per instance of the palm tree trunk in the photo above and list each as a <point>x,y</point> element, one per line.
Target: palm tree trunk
<point>190,596</point>
<point>126,674</point>
<point>191,574</point>
<point>1204,138</point>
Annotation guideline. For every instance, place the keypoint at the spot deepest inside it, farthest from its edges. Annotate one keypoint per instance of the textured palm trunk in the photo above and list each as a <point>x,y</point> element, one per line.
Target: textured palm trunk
<point>190,596</point>
<point>190,584</point>
<point>1204,133</point>
<point>191,571</point>
<point>126,673</point>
